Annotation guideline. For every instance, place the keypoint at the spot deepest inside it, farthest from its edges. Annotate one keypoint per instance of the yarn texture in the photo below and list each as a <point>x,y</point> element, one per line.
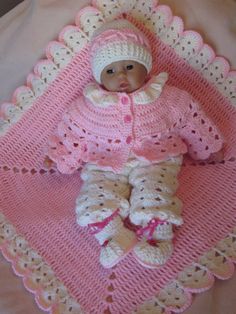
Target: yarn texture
<point>59,260</point>
<point>154,123</point>
<point>115,41</point>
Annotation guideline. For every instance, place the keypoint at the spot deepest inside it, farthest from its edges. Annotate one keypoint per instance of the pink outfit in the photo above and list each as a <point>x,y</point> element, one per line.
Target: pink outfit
<point>154,123</point>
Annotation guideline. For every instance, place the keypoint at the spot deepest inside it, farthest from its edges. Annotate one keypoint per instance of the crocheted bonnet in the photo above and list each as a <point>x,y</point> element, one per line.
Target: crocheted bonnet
<point>115,41</point>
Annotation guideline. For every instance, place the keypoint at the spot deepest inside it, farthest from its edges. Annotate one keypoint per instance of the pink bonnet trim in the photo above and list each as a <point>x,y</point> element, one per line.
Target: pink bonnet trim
<point>113,36</point>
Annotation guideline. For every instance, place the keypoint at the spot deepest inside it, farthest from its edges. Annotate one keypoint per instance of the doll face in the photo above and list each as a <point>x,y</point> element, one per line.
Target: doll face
<point>123,76</point>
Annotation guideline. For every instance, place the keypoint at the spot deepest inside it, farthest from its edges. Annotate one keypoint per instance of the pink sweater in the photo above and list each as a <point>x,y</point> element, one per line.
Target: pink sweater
<point>156,122</point>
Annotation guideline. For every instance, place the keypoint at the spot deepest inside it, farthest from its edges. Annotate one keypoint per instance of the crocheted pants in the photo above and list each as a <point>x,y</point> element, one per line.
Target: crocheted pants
<point>142,191</point>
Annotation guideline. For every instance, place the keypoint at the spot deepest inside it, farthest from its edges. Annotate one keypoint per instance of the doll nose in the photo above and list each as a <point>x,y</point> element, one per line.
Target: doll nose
<point>121,73</point>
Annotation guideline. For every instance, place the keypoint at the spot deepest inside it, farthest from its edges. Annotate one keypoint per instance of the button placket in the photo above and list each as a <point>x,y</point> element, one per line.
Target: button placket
<point>127,117</point>
<point>125,100</point>
<point>129,139</point>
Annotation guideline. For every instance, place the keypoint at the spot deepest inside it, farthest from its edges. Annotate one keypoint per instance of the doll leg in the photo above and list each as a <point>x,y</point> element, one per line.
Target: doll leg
<point>102,205</point>
<point>155,208</point>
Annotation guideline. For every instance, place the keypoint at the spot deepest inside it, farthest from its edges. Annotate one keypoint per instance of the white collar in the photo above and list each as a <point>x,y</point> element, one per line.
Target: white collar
<point>145,95</point>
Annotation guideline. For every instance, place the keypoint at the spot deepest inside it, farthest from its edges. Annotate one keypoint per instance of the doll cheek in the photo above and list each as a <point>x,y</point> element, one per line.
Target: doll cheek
<point>136,81</point>
<point>110,83</point>
<point>114,84</point>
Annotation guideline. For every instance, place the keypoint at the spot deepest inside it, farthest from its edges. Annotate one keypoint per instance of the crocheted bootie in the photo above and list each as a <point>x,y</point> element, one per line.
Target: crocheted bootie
<point>116,240</point>
<point>155,247</point>
<point>154,207</point>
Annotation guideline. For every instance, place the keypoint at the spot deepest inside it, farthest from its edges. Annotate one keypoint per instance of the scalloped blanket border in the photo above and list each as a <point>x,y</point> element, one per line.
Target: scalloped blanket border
<point>53,297</point>
<point>72,39</point>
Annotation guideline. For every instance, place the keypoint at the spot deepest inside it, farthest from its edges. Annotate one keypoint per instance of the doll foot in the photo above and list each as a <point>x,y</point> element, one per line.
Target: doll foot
<point>115,249</point>
<point>155,246</point>
<point>153,254</point>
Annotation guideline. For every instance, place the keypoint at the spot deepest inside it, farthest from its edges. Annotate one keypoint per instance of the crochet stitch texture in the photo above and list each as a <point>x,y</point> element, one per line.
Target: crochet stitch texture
<point>58,260</point>
<point>121,42</point>
<point>154,124</point>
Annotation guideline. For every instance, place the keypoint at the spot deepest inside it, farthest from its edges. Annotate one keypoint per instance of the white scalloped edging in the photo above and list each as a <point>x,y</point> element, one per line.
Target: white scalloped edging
<point>38,277</point>
<point>73,38</point>
<point>176,297</point>
<point>52,296</point>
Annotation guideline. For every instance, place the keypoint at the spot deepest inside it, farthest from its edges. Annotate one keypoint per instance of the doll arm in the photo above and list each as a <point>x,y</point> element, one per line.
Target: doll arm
<point>199,133</point>
<point>66,149</point>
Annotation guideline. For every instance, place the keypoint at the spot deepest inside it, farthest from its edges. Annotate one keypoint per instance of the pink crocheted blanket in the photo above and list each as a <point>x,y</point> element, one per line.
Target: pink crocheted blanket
<point>57,259</point>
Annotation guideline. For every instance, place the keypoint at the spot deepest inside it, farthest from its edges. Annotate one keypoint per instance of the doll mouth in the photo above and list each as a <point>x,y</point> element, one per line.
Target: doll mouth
<point>124,86</point>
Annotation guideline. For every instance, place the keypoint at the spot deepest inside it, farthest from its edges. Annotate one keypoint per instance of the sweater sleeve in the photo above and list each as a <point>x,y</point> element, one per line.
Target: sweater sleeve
<point>199,133</point>
<point>66,148</point>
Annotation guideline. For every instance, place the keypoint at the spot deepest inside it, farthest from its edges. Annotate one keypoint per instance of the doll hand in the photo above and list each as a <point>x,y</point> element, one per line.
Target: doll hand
<point>48,163</point>
<point>216,157</point>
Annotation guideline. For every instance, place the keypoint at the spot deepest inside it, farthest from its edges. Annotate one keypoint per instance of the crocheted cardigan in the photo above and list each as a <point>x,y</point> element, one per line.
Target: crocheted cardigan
<point>155,122</point>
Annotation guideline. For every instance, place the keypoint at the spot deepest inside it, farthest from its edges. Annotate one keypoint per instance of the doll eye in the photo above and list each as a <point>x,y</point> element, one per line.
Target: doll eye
<point>130,67</point>
<point>110,71</point>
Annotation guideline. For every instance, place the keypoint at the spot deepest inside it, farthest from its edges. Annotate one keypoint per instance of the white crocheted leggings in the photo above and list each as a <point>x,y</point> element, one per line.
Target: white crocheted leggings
<point>142,192</point>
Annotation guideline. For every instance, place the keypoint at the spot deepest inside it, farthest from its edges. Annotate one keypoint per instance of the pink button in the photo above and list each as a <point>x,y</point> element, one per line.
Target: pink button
<point>129,139</point>
<point>127,119</point>
<point>125,100</point>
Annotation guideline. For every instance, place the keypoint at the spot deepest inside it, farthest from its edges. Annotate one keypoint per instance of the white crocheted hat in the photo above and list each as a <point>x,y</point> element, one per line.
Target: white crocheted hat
<point>115,41</point>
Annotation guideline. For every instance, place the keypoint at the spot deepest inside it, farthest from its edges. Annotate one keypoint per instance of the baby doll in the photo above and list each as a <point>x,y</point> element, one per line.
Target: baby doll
<point>130,131</point>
